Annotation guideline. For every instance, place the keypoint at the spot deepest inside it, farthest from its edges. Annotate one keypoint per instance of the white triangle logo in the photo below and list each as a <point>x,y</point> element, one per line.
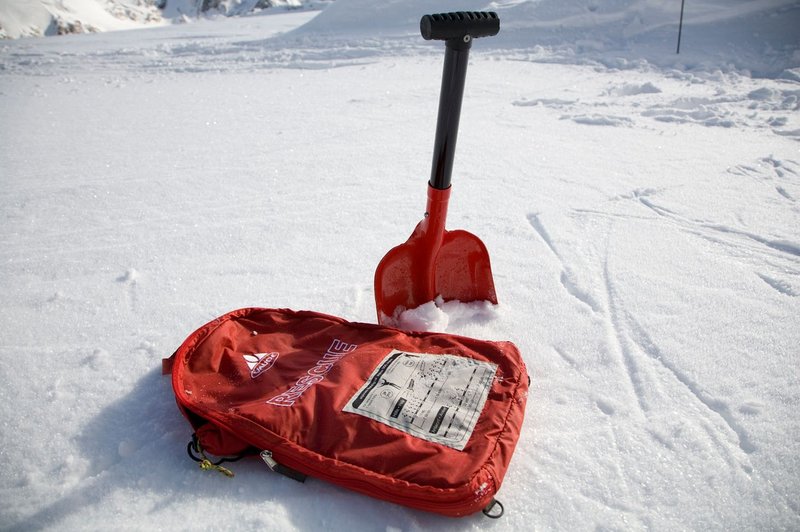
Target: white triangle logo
<point>260,362</point>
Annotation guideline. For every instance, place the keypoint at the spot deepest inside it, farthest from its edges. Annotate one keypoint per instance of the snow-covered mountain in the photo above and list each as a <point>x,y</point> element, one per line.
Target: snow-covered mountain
<point>29,18</point>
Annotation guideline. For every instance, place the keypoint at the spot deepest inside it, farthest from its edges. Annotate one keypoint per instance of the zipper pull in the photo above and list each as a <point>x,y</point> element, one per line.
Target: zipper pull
<point>269,460</point>
<point>281,469</point>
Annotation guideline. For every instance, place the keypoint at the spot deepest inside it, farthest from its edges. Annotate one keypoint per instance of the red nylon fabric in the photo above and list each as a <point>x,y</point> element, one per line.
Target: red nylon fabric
<point>294,407</point>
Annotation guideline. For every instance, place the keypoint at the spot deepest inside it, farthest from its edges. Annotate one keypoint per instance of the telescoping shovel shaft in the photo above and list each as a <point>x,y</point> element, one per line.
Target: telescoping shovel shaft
<point>433,262</point>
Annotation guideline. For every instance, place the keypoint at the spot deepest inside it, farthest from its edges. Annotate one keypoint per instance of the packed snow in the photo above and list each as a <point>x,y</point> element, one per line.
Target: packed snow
<point>640,208</point>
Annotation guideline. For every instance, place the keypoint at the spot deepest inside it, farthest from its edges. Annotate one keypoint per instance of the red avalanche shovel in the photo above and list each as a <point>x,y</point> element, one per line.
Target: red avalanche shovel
<point>433,262</point>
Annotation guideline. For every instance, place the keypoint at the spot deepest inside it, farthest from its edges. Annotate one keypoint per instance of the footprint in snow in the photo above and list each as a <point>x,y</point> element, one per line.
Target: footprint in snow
<point>777,173</point>
<point>768,108</point>
<point>605,407</point>
<point>751,408</point>
<point>779,285</point>
<point>600,120</point>
<point>553,103</point>
<point>130,276</point>
<point>632,89</point>
<point>131,279</point>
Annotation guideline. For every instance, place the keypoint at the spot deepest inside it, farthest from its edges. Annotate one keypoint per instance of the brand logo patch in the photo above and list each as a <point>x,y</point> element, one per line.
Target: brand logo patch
<point>260,362</point>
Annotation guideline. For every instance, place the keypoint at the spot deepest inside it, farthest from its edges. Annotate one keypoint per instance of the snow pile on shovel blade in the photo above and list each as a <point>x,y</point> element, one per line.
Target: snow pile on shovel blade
<point>437,315</point>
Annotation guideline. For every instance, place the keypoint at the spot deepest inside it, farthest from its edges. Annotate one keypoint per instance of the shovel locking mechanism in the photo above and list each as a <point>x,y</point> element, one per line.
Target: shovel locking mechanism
<point>433,262</point>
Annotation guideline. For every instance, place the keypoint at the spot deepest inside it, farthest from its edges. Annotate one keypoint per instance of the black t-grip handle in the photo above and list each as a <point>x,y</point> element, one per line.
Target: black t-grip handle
<point>457,30</point>
<point>448,26</point>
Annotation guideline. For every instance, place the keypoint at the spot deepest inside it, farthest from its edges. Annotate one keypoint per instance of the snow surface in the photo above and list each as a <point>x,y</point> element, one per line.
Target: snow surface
<point>640,208</point>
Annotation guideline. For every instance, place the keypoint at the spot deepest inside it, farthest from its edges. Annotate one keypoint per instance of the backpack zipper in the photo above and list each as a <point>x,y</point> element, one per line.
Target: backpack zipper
<point>281,469</point>
<point>290,467</point>
<point>455,508</point>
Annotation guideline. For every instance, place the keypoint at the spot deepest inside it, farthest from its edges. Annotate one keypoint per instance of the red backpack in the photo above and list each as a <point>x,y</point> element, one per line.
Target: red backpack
<point>426,420</point>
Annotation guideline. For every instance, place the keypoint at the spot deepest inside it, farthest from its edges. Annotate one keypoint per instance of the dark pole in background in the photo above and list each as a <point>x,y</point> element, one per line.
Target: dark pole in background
<point>680,28</point>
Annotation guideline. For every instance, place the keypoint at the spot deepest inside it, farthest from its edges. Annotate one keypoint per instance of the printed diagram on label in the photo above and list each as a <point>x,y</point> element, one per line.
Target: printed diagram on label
<point>434,397</point>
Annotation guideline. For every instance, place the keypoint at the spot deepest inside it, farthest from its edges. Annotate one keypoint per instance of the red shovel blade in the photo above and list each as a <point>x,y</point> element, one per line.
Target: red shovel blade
<point>453,265</point>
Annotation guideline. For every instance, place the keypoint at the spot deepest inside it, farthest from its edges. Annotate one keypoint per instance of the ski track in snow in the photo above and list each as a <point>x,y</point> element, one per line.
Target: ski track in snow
<point>738,241</point>
<point>782,287</point>
<point>775,173</point>
<point>632,340</point>
<point>629,333</point>
<point>567,278</point>
<point>654,381</point>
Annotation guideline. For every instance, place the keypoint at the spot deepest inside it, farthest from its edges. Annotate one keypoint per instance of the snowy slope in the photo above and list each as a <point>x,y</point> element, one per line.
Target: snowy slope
<point>641,214</point>
<point>34,18</point>
<point>757,35</point>
<point>29,18</point>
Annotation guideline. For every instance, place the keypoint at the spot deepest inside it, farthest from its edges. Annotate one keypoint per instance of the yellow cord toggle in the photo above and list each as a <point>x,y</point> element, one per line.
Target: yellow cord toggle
<point>206,465</point>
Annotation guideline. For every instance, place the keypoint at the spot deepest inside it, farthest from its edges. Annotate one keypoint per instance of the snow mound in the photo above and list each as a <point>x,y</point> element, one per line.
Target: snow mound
<point>437,315</point>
